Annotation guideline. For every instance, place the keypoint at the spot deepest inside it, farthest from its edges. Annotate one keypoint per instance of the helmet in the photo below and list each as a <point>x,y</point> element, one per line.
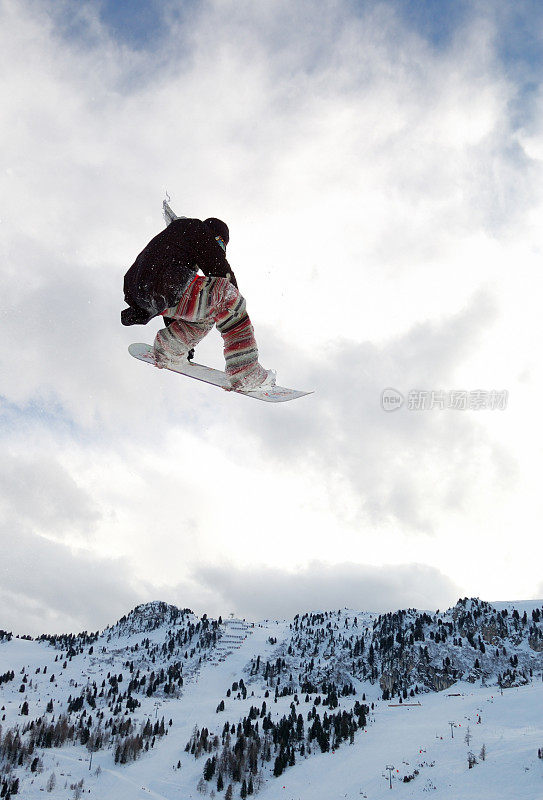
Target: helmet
<point>218,228</point>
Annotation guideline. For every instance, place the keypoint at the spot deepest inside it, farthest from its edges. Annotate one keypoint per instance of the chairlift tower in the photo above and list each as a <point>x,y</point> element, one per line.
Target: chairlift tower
<point>390,769</point>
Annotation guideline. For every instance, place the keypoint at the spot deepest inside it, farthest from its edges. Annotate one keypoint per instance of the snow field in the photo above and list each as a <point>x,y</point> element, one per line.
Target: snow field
<point>409,737</point>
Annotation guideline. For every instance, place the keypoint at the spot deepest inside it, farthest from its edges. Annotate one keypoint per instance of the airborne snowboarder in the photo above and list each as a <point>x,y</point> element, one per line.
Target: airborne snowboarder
<point>165,281</point>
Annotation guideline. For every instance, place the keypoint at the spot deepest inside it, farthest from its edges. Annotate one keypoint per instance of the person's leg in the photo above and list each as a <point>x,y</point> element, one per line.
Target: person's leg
<point>209,301</point>
<point>240,349</point>
<point>167,322</point>
<point>186,324</point>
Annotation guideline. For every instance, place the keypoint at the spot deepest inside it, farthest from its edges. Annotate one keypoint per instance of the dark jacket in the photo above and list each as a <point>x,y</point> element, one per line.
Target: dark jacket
<point>164,268</point>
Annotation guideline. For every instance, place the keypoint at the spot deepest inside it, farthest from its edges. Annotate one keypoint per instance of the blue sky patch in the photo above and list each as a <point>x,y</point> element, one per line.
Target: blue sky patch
<point>36,414</point>
<point>435,20</point>
<point>138,23</point>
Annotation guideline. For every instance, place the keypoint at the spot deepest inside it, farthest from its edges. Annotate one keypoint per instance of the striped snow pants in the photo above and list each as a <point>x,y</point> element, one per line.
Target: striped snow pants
<point>204,303</point>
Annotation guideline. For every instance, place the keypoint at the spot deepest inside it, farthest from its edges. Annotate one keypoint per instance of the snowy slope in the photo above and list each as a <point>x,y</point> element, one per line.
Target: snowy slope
<point>162,663</point>
<point>412,738</point>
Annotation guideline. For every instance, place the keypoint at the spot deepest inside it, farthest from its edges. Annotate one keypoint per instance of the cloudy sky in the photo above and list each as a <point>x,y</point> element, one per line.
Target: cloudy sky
<point>379,165</point>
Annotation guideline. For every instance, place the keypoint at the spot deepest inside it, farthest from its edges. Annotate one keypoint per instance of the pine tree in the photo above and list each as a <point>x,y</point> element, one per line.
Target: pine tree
<point>209,769</point>
<point>278,766</point>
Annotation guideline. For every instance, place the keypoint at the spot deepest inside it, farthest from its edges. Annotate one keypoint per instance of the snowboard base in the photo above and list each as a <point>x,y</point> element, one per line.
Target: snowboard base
<point>271,394</point>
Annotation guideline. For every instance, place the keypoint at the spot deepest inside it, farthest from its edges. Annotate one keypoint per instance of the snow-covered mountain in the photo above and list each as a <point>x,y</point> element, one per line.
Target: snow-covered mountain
<point>168,705</point>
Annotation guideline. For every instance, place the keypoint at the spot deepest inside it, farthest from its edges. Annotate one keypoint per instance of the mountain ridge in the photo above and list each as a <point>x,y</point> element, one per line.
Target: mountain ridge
<point>249,700</point>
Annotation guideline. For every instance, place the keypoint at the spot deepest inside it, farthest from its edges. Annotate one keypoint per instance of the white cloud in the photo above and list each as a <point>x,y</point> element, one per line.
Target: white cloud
<point>47,587</point>
<point>391,460</point>
<point>381,216</point>
<point>259,592</point>
<point>41,492</point>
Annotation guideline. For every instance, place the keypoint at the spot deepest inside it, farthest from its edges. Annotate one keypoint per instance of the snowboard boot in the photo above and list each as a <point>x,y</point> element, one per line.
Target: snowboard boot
<point>259,379</point>
<point>269,380</point>
<point>169,351</point>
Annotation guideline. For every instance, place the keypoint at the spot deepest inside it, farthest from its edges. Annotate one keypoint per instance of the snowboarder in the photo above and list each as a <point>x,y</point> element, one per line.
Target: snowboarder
<point>164,281</point>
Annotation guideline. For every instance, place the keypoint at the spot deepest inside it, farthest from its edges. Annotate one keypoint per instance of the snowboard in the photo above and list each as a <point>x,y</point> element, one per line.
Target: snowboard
<point>271,394</point>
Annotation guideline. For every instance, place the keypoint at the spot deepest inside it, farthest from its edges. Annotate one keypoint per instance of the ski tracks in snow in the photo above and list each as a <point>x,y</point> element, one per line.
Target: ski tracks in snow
<point>116,774</point>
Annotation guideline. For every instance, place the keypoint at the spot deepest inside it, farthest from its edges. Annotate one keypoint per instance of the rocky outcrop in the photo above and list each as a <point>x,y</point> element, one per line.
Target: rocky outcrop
<point>149,617</point>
